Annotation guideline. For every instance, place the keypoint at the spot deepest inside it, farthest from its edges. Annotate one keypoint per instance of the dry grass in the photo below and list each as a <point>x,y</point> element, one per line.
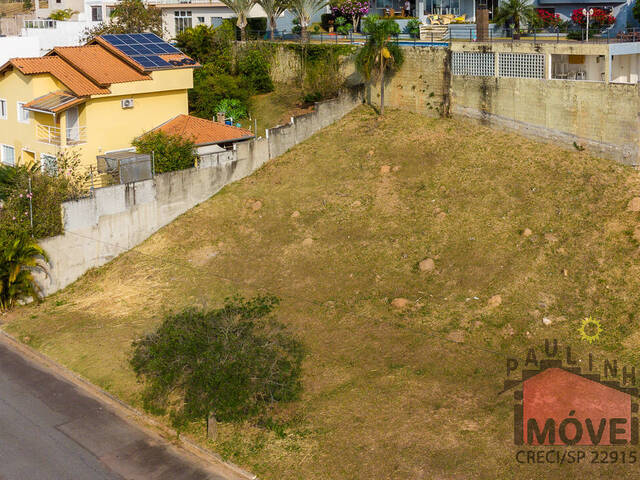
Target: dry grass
<point>386,395</point>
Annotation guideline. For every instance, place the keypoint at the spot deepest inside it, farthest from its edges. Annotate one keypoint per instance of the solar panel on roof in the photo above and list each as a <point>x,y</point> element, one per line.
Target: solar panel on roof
<point>144,48</point>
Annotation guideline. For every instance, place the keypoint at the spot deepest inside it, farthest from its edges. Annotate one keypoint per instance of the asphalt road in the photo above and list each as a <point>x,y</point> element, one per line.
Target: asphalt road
<point>51,429</point>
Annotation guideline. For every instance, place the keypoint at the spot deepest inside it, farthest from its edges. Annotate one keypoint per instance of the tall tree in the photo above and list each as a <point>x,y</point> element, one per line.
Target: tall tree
<point>273,9</point>
<point>379,55</point>
<point>305,9</point>
<point>20,256</point>
<point>241,8</point>
<point>516,11</point>
<point>130,16</point>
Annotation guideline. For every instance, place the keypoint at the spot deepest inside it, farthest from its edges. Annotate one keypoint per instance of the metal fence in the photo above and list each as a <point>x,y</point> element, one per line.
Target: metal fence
<point>530,35</point>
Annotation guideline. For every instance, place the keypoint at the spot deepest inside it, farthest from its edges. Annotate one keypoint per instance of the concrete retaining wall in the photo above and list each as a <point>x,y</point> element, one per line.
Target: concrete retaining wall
<point>117,218</point>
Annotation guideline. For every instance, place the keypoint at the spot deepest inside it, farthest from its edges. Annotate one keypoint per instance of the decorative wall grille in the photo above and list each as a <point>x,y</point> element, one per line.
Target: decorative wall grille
<point>478,64</point>
<point>521,65</point>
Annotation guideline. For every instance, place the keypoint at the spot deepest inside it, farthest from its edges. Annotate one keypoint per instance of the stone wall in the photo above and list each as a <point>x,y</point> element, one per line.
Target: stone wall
<point>117,218</point>
<point>421,85</point>
<point>601,117</point>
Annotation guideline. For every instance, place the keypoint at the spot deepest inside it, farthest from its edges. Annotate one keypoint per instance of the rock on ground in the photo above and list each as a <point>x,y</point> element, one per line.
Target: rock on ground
<point>385,169</point>
<point>427,265</point>
<point>494,301</point>
<point>295,214</point>
<point>257,205</point>
<point>307,242</point>
<point>399,302</point>
<point>527,232</point>
<point>634,204</point>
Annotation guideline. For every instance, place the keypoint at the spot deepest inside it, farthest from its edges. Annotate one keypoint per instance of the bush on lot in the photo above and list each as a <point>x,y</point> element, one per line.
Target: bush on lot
<point>232,362</point>
<point>170,152</point>
<point>29,190</point>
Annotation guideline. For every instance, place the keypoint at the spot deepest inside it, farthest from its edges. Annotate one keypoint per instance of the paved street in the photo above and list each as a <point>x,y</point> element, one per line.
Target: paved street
<point>50,429</point>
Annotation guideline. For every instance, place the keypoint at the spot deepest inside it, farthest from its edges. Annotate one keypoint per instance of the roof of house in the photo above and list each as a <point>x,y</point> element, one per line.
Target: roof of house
<point>54,102</point>
<point>202,131</point>
<point>75,81</point>
<point>99,64</point>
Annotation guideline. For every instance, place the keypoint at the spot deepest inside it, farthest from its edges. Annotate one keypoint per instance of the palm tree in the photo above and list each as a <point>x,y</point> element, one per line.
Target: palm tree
<point>516,11</point>
<point>273,9</point>
<point>241,8</point>
<point>379,54</point>
<point>19,257</point>
<point>305,9</point>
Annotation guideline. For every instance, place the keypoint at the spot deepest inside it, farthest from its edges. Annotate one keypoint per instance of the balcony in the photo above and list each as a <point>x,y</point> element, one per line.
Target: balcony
<point>54,135</point>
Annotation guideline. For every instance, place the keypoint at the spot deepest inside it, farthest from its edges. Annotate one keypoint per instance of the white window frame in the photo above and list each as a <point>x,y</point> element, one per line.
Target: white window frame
<point>4,114</point>
<point>19,110</point>
<point>2,159</point>
<point>183,19</point>
<point>96,11</point>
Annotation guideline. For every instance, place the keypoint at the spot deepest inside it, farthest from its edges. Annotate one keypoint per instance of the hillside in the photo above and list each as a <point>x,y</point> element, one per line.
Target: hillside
<point>526,240</point>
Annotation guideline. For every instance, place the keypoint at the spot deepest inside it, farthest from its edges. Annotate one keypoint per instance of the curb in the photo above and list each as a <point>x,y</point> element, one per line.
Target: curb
<point>118,404</point>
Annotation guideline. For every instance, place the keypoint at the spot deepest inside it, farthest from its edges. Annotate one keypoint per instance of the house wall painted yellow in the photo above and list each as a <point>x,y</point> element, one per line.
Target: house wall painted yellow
<point>105,124</point>
<point>16,87</point>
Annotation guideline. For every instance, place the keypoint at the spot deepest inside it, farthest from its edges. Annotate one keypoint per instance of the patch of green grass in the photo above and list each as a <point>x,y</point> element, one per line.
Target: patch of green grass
<point>386,395</point>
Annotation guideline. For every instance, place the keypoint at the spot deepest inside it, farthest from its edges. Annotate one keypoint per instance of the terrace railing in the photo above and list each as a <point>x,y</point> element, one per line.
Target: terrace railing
<point>40,23</point>
<point>53,135</point>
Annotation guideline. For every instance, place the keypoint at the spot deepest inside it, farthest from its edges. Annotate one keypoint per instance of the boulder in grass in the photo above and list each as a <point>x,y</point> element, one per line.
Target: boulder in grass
<point>399,303</point>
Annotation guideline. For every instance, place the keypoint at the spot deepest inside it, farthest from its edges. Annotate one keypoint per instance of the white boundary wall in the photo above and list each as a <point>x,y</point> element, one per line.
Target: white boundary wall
<point>117,218</point>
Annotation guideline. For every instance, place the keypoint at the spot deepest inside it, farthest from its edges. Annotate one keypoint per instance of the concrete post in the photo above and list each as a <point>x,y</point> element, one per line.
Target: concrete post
<point>212,426</point>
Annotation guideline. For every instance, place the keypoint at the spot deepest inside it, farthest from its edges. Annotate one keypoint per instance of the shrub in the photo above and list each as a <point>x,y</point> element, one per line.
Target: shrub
<point>62,15</point>
<point>253,64</point>
<point>19,257</point>
<point>413,27</point>
<point>233,362</point>
<point>171,152</point>
<point>343,27</point>
<point>42,199</point>
<point>232,107</point>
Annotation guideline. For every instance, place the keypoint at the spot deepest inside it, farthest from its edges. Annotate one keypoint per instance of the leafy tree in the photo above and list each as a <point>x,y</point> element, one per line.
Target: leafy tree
<point>304,10</point>
<point>232,362</point>
<point>170,152</point>
<point>241,8</point>
<point>253,63</point>
<point>210,86</point>
<point>351,9</point>
<point>129,16</point>
<point>273,9</point>
<point>516,11</point>
<point>379,55</point>
<point>20,256</point>
<point>207,44</point>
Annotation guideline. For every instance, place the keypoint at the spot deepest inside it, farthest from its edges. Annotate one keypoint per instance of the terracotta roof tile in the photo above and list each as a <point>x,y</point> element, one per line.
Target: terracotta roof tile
<point>65,73</point>
<point>202,131</point>
<point>99,64</point>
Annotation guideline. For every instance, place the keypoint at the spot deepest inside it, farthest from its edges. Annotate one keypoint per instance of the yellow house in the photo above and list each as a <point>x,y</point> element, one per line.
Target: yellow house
<point>94,98</point>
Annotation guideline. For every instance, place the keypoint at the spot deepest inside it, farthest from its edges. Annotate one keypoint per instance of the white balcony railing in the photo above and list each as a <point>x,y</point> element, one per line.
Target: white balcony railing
<point>40,23</point>
<point>53,135</point>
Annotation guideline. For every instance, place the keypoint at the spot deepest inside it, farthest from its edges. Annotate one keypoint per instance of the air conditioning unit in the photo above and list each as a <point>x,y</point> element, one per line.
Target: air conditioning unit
<point>127,103</point>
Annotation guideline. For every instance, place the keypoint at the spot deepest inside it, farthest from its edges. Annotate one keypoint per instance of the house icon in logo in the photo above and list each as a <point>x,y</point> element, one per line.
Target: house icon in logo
<point>561,406</point>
